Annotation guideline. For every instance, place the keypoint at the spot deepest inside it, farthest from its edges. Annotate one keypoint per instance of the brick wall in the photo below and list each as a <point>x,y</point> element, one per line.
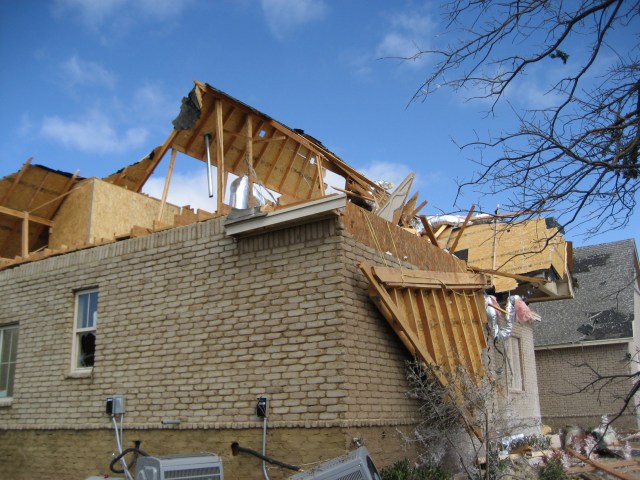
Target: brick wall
<point>566,398</point>
<point>192,325</point>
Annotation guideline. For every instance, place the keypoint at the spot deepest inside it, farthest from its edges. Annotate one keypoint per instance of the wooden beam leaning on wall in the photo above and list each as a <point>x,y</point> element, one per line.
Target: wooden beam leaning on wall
<point>438,328</point>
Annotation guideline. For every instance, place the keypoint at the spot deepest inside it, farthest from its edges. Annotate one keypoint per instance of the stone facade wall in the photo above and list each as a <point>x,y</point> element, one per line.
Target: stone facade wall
<point>562,374</point>
<point>520,409</point>
<point>193,325</point>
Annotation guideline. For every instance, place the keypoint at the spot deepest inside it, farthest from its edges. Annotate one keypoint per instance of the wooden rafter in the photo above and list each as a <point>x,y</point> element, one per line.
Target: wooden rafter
<point>220,153</point>
<point>264,145</point>
<point>249,156</point>
<point>276,160</point>
<point>320,175</point>
<point>441,326</point>
<point>464,225</point>
<point>20,214</point>
<point>60,198</point>
<point>16,181</point>
<point>301,174</point>
<point>197,132</point>
<point>167,182</point>
<point>287,169</point>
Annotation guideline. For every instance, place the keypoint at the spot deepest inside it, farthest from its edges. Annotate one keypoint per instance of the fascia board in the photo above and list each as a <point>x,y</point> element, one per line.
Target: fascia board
<point>294,215</point>
<point>591,343</point>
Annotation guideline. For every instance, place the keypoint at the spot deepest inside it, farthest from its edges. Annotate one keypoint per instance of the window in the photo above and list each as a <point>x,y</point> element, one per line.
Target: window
<point>8,354</point>
<point>84,330</point>
<point>514,354</point>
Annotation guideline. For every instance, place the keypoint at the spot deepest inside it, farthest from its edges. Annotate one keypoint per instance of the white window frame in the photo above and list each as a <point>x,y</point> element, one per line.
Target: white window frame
<point>515,370</point>
<point>78,331</point>
<point>8,359</point>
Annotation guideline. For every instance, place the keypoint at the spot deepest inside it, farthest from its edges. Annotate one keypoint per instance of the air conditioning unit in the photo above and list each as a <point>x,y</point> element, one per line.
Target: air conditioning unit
<point>355,465</point>
<point>199,466</point>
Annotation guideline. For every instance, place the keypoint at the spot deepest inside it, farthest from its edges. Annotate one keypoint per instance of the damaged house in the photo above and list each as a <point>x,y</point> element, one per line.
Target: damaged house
<point>190,315</point>
<point>596,334</point>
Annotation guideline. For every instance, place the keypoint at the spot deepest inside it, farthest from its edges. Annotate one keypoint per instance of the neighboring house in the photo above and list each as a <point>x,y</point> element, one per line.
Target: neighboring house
<point>595,333</point>
<point>192,315</point>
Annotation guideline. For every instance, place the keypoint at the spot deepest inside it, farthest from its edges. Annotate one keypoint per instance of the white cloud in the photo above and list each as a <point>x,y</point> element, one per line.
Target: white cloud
<point>162,9</point>
<point>284,16</point>
<point>82,72</point>
<point>93,133</point>
<point>386,171</point>
<point>186,188</point>
<point>150,101</point>
<point>25,127</point>
<point>94,13</point>
<point>409,33</point>
<point>91,12</point>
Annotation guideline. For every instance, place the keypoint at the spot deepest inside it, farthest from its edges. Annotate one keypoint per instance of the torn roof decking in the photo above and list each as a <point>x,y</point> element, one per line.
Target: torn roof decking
<point>534,247</point>
<point>37,190</point>
<point>284,160</point>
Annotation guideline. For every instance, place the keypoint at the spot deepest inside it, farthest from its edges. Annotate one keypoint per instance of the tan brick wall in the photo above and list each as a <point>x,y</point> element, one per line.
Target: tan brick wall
<point>566,398</point>
<point>192,325</point>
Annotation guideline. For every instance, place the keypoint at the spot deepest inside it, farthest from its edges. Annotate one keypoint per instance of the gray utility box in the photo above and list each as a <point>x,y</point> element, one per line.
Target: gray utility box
<point>198,466</point>
<point>355,465</point>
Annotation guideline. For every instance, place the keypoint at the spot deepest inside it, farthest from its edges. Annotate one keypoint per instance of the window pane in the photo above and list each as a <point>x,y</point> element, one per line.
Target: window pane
<point>11,376</point>
<point>93,309</point>
<point>83,309</point>
<point>86,349</point>
<point>5,346</point>
<point>4,380</point>
<point>87,310</point>
<point>8,354</point>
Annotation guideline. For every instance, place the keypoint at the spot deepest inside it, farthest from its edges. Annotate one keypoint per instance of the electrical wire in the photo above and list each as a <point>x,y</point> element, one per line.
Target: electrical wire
<point>119,445</point>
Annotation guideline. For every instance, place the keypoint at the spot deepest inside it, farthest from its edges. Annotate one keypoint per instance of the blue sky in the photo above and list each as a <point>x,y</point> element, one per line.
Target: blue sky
<point>94,85</point>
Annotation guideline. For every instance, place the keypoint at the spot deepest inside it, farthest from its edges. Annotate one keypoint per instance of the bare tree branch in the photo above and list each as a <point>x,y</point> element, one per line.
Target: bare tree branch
<point>578,156</point>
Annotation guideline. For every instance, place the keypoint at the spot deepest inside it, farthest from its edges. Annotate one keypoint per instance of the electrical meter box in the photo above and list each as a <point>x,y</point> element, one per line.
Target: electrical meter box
<point>115,405</point>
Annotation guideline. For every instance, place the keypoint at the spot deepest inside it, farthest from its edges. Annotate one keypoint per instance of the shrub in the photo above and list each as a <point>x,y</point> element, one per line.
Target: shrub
<point>405,470</point>
<point>552,470</point>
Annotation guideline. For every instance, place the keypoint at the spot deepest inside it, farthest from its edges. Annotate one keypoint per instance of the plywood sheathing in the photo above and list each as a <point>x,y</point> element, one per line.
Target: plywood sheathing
<point>133,177</point>
<point>101,210</point>
<point>37,190</point>
<point>528,247</point>
<point>375,232</point>
<point>282,159</point>
<point>439,316</point>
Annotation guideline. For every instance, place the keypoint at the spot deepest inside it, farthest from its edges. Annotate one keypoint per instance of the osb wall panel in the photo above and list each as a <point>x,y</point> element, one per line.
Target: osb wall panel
<point>373,231</point>
<point>519,248</point>
<point>72,220</point>
<point>115,210</point>
<point>101,210</point>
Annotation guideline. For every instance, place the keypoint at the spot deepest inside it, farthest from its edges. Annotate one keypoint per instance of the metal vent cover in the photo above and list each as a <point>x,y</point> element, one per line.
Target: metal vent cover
<point>200,466</point>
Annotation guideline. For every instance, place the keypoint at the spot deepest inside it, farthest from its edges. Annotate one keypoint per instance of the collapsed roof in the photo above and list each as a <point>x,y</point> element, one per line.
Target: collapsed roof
<point>437,311</point>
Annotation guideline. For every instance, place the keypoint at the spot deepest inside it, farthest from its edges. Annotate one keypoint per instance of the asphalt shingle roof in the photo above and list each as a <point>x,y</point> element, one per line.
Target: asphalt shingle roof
<point>605,276</point>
